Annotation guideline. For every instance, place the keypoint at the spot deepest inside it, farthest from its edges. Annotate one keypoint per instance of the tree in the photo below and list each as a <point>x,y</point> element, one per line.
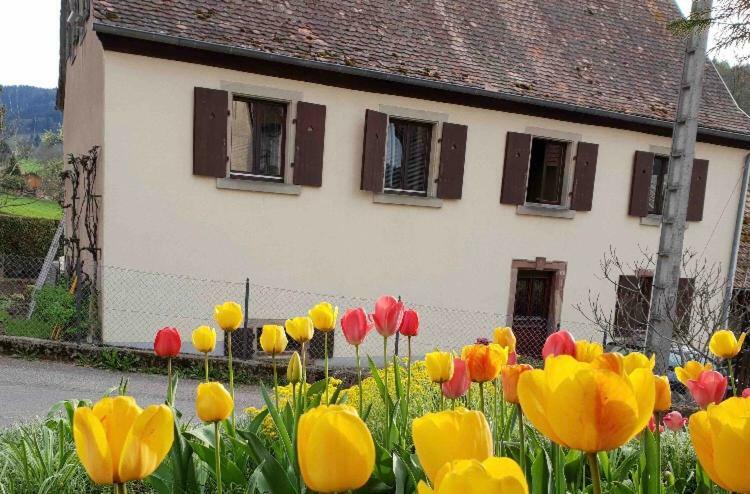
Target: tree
<point>731,18</point>
<point>737,79</point>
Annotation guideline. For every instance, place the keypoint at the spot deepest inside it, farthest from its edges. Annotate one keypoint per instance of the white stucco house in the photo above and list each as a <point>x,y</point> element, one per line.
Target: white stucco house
<point>477,158</point>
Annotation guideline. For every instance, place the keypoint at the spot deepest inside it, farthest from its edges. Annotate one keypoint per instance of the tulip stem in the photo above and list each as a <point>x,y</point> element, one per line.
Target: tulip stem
<point>294,398</point>
<point>217,451</point>
<point>205,364</point>
<point>170,398</point>
<point>387,396</point>
<point>481,397</point>
<point>521,439</point>
<point>408,379</point>
<point>359,379</point>
<point>495,422</point>
<point>731,378</point>
<point>501,431</point>
<point>275,379</point>
<point>228,337</point>
<point>302,389</point>
<point>441,401</point>
<point>596,480</point>
<point>120,489</point>
<point>325,356</point>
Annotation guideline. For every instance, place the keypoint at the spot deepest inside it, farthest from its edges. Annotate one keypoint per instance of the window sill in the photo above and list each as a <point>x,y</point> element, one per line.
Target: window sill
<point>406,200</point>
<point>547,211</point>
<point>651,220</point>
<point>258,186</point>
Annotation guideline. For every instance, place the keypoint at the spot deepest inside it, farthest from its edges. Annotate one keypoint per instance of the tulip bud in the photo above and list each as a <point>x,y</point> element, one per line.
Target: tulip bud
<point>228,316</point>
<point>439,366</point>
<point>504,336</point>
<point>355,325</point>
<point>324,316</point>
<point>388,315</point>
<point>273,339</point>
<point>409,323</point>
<point>459,383</point>
<point>167,342</point>
<point>301,329</point>
<point>710,387</point>
<point>559,343</point>
<point>746,393</point>
<point>204,339</point>
<point>213,402</point>
<point>674,421</point>
<point>294,369</point>
<point>663,394</point>
<point>724,344</point>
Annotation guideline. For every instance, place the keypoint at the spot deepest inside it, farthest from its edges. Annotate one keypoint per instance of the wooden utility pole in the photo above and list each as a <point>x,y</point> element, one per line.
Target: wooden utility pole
<point>667,277</point>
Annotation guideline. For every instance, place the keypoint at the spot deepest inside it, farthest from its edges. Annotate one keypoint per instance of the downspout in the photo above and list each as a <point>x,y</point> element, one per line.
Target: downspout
<point>736,243</point>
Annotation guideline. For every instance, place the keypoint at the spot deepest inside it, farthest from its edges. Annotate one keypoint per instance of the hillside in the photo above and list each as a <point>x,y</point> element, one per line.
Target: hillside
<point>30,111</point>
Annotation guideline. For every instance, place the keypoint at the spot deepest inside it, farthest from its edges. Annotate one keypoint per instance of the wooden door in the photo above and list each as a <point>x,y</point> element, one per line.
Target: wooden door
<point>531,312</point>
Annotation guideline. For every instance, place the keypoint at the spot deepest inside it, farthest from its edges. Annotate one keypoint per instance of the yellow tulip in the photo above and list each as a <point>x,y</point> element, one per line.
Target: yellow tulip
<point>637,360</point>
<point>721,437</point>
<point>117,442</point>
<point>504,337</point>
<point>691,370</point>
<point>213,402</point>
<point>491,476</point>
<point>724,344</point>
<point>228,316</point>
<point>294,369</point>
<point>442,437</point>
<point>662,394</point>
<point>439,366</point>
<point>273,339</point>
<point>324,316</point>
<point>335,449</point>
<point>484,361</point>
<point>587,351</point>
<point>301,329</point>
<point>587,406</point>
<point>204,339</point>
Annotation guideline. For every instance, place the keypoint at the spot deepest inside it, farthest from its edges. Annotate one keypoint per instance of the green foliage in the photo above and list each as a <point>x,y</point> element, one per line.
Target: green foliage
<point>55,306</point>
<point>29,237</point>
<point>32,207</point>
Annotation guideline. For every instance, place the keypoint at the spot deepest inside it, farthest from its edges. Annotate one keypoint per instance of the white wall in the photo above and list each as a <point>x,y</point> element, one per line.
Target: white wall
<point>158,217</point>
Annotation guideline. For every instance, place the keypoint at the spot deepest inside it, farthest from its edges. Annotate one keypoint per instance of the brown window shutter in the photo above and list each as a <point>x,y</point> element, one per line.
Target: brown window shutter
<point>516,168</point>
<point>685,292</point>
<point>697,190</point>
<point>452,159</point>
<point>373,151</point>
<point>309,134</point>
<point>583,178</point>
<point>210,116</point>
<point>640,183</point>
<point>633,300</point>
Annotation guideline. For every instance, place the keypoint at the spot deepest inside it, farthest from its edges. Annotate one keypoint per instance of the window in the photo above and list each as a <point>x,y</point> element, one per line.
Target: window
<point>658,181</point>
<point>258,139</point>
<point>546,171</point>
<point>407,157</point>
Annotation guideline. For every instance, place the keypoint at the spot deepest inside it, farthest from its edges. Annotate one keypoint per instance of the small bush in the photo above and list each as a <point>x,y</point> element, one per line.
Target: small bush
<point>28,237</point>
<point>55,306</point>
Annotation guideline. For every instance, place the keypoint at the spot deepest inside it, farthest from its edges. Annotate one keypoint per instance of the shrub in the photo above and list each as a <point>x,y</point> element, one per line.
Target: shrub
<point>28,237</point>
<point>55,306</point>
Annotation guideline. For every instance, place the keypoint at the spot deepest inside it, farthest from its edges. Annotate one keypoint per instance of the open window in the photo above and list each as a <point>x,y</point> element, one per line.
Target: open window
<point>546,171</point>
<point>258,139</point>
<point>407,157</point>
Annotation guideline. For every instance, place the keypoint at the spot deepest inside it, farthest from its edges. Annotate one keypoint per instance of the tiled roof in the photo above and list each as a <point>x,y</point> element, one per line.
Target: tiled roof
<point>611,55</point>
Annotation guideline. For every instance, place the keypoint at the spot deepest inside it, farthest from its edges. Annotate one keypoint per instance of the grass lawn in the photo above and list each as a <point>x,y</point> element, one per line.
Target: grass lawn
<point>31,328</point>
<point>30,207</point>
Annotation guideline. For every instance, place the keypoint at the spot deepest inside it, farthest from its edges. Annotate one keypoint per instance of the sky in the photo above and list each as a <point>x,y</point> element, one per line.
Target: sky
<point>33,61</point>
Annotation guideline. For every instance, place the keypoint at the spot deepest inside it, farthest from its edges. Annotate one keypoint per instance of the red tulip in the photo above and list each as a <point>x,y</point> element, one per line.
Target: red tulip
<point>512,358</point>
<point>167,342</point>
<point>674,421</point>
<point>388,315</point>
<point>746,393</point>
<point>559,343</point>
<point>355,325</point>
<point>710,387</point>
<point>459,384</point>
<point>652,425</point>
<point>409,323</point>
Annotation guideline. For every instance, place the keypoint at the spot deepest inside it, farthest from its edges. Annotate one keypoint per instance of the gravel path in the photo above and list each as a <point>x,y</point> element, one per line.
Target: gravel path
<point>29,388</point>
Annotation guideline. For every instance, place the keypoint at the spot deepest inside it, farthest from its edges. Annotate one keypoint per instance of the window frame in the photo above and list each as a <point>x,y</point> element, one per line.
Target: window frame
<point>567,165</point>
<point>663,181</point>
<point>429,172</point>
<point>286,129</point>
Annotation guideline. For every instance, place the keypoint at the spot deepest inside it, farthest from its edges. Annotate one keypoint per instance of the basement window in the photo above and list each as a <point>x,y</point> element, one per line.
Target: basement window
<point>546,171</point>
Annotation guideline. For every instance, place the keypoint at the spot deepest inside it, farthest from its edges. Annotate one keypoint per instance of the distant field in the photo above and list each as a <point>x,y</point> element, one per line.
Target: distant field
<point>30,207</point>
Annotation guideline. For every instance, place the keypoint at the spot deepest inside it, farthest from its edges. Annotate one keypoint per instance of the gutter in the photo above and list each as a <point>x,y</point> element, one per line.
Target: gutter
<point>666,126</point>
<point>726,306</point>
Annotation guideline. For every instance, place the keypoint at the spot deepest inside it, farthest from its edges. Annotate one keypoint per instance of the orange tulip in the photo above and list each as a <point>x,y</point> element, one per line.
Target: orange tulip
<point>484,360</point>
<point>511,373</point>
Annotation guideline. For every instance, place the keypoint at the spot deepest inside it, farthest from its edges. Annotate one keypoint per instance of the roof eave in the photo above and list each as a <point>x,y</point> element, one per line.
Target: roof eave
<point>650,125</point>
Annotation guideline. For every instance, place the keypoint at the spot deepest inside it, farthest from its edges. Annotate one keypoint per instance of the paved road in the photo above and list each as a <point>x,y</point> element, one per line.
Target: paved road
<point>29,388</point>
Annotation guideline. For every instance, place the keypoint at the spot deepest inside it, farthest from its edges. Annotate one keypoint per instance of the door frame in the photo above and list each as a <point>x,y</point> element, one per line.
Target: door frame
<point>558,268</point>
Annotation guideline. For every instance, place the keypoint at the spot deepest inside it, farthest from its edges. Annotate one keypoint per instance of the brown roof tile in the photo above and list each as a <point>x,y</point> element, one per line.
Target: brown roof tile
<point>610,55</point>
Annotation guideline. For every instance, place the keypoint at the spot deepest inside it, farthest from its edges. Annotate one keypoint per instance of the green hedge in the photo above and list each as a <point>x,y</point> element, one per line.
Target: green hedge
<point>23,236</point>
